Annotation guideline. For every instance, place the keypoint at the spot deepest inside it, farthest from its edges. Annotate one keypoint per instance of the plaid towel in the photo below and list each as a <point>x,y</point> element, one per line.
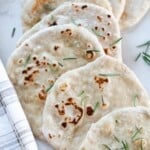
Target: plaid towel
<point>15,133</point>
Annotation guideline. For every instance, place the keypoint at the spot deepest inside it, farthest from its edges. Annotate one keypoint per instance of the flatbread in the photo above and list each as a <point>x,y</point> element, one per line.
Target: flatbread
<point>100,22</point>
<point>134,11</point>
<point>117,7</point>
<point>122,129</point>
<point>90,93</point>
<point>34,10</point>
<point>34,67</point>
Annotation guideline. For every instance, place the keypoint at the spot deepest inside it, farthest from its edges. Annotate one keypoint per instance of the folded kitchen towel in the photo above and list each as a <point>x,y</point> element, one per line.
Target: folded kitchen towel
<point>15,132</point>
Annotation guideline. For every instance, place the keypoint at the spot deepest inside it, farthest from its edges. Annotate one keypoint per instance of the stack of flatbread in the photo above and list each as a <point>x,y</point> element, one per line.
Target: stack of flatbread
<point>68,73</point>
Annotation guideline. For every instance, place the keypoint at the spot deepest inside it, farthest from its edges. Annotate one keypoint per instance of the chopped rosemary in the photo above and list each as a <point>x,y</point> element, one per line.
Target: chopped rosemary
<point>27,60</point>
<point>106,146</point>
<point>96,33</point>
<point>138,131</point>
<point>134,100</point>
<point>60,64</point>
<point>138,56</point>
<point>147,44</point>
<point>146,58</point>
<point>109,74</point>
<point>117,41</point>
<point>94,50</point>
<point>116,139</point>
<point>69,58</point>
<point>96,106</point>
<point>13,32</point>
<point>49,88</point>
<point>81,93</point>
<point>125,145</point>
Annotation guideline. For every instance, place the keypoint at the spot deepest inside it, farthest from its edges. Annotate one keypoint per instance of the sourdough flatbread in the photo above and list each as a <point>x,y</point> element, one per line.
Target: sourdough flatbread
<point>117,7</point>
<point>133,12</point>
<point>90,93</point>
<point>126,129</point>
<point>34,10</point>
<point>34,67</point>
<point>97,19</point>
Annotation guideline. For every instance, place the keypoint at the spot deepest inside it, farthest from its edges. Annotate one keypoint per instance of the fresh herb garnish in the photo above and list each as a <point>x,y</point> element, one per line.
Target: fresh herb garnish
<point>27,60</point>
<point>146,44</point>
<point>138,56</point>
<point>81,93</point>
<point>106,146</point>
<point>125,145</point>
<point>115,42</point>
<point>96,106</point>
<point>96,33</point>
<point>138,131</point>
<point>49,88</point>
<point>134,100</point>
<point>13,32</point>
<point>109,74</point>
<point>116,139</point>
<point>60,64</point>
<point>69,58</point>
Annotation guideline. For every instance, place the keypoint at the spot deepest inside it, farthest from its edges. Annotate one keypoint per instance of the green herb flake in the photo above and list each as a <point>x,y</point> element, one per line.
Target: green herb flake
<point>107,147</point>
<point>135,97</point>
<point>60,64</point>
<point>49,88</point>
<point>96,33</point>
<point>137,132</point>
<point>125,145</point>
<point>117,41</point>
<point>145,44</point>
<point>93,50</point>
<point>138,56</point>
<point>109,74</point>
<point>13,32</point>
<point>81,93</point>
<point>27,60</point>
<point>69,58</point>
<point>96,106</point>
<point>146,59</point>
<point>116,139</point>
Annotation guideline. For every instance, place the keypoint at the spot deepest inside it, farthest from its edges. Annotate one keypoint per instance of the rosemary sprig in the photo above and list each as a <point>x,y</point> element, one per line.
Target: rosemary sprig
<point>117,41</point>
<point>146,58</point>
<point>96,106</point>
<point>49,88</point>
<point>138,131</point>
<point>125,145</point>
<point>81,93</point>
<point>96,33</point>
<point>134,100</point>
<point>116,139</point>
<point>109,74</point>
<point>106,146</point>
<point>27,60</point>
<point>13,32</point>
<point>69,58</point>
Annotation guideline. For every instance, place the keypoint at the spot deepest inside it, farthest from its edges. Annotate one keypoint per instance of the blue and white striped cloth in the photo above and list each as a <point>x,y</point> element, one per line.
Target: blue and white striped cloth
<point>15,132</point>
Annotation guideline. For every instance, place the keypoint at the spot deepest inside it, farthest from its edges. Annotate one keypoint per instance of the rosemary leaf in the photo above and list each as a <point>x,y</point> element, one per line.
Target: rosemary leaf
<point>138,56</point>
<point>81,93</point>
<point>13,32</point>
<point>125,145</point>
<point>146,60</point>
<point>94,50</point>
<point>107,147</point>
<point>109,74</point>
<point>69,58</point>
<point>145,44</point>
<point>49,88</point>
<point>96,33</point>
<point>134,100</point>
<point>138,131</point>
<point>60,64</point>
<point>116,139</point>
<point>27,60</point>
<point>115,42</point>
<point>96,106</point>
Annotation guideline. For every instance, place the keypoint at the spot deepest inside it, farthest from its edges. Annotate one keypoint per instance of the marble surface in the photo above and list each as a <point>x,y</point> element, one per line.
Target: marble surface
<point>10,11</point>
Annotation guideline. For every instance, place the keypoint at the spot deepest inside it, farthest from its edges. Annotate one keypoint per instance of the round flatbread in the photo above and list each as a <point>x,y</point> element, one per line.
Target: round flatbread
<point>134,11</point>
<point>122,129</point>
<point>34,10</point>
<point>117,7</point>
<point>100,22</point>
<point>34,67</point>
<point>90,93</point>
